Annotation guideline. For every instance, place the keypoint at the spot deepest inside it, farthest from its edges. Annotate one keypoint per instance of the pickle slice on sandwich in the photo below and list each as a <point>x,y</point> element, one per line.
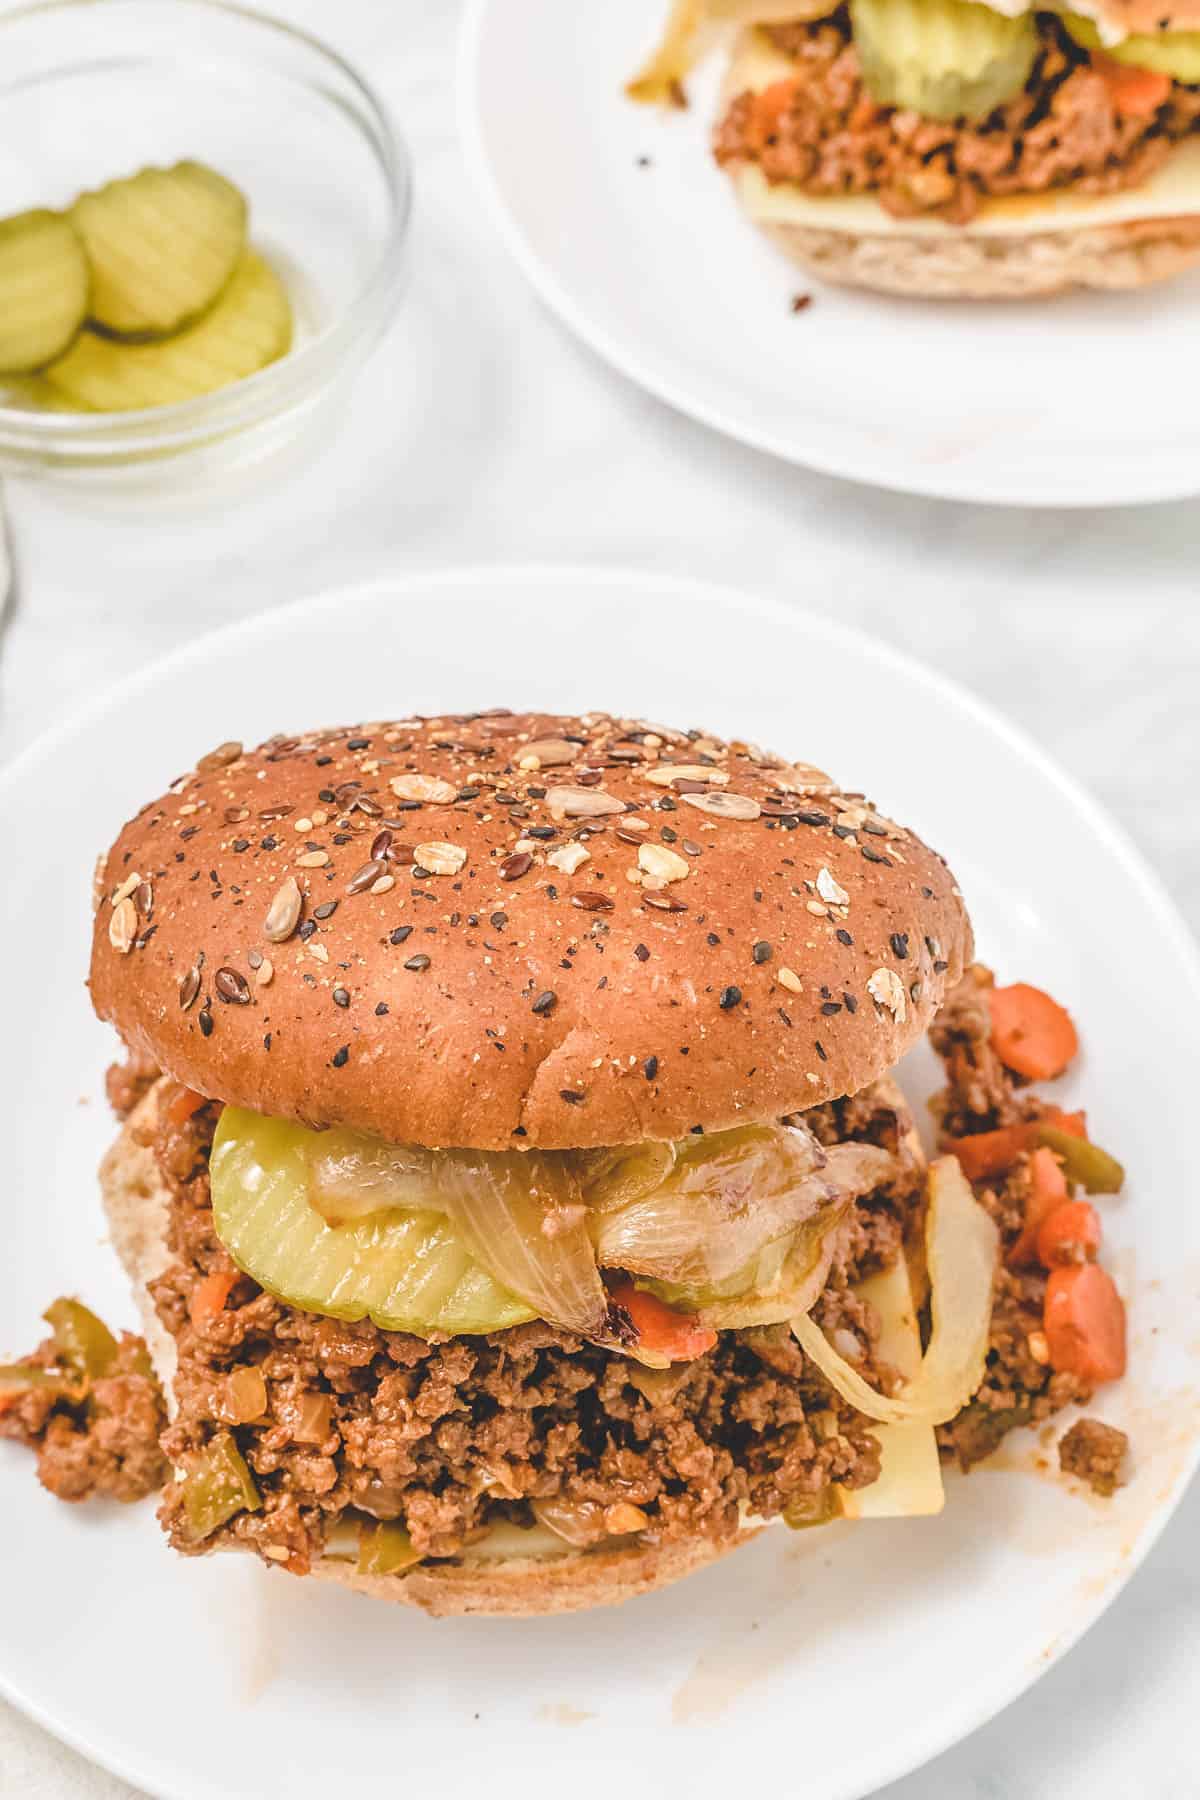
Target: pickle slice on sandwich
<point>405,1270</point>
<point>1173,53</point>
<point>162,245</point>
<point>249,327</point>
<point>944,59</point>
<point>43,289</point>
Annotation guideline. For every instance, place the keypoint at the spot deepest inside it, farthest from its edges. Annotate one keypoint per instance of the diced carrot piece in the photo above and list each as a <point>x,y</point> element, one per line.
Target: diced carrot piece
<point>767,111</point>
<point>208,1300</point>
<point>1069,1234</point>
<point>1048,1193</point>
<point>1084,1322</point>
<point>662,1330</point>
<point>1032,1033</point>
<point>183,1105</point>
<point>1135,93</point>
<point>987,1153</point>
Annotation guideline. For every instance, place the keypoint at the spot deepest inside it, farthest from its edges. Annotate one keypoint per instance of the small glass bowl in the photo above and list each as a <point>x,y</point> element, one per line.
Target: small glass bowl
<point>93,89</point>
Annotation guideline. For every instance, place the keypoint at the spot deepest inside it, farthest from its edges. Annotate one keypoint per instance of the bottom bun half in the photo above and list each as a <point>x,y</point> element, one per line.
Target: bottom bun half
<point>136,1205</point>
<point>1031,266</point>
<point>529,1586</point>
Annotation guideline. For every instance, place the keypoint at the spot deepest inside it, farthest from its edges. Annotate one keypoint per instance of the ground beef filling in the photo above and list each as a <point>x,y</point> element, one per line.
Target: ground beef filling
<point>1019,1386</point>
<point>449,1437</point>
<point>1095,1452</point>
<point>1062,130</point>
<point>104,1446</point>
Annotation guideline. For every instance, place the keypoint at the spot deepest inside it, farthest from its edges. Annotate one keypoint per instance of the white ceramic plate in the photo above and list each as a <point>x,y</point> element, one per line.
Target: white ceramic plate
<point>208,1678</point>
<point>1083,401</point>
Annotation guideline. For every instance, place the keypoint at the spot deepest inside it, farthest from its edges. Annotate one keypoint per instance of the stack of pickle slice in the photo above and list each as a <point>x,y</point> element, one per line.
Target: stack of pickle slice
<point>143,293</point>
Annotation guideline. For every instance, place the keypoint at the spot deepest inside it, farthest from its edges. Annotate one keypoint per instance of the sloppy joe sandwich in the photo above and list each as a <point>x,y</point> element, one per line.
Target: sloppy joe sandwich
<point>957,149</point>
<point>512,1179</point>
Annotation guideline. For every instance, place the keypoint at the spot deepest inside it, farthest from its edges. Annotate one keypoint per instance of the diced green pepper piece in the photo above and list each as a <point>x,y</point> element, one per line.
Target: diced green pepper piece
<point>1093,1168</point>
<point>811,1509</point>
<point>385,1548</point>
<point>22,1378</point>
<point>84,1343</point>
<point>217,1486</point>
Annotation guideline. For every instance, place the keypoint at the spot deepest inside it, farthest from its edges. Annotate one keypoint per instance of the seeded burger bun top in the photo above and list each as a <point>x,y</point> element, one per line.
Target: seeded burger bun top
<point>507,930</point>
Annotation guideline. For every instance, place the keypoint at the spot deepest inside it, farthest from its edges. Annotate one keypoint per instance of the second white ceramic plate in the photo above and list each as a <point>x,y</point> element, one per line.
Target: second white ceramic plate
<point>832,1659</point>
<point>621,220</point>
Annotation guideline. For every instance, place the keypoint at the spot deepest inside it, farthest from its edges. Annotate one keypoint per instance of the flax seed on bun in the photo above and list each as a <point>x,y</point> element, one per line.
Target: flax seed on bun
<point>521,929</point>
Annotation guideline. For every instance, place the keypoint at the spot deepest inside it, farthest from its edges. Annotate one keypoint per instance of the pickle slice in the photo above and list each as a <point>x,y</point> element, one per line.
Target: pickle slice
<point>408,1271</point>
<point>944,59</point>
<point>1173,53</point>
<point>43,289</point>
<point>249,327</point>
<point>162,245</point>
<point>217,1486</point>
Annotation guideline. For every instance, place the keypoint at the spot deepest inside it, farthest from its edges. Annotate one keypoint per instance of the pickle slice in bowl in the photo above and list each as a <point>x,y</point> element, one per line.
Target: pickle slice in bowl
<point>44,284</point>
<point>249,327</point>
<point>405,1270</point>
<point>944,59</point>
<point>162,245</point>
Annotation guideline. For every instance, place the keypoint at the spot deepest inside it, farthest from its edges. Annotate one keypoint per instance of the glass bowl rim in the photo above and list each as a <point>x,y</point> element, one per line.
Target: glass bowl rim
<point>267,393</point>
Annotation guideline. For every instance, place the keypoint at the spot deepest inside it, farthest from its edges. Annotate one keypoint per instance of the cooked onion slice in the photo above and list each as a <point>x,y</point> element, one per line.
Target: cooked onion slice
<point>519,1214</point>
<point>788,1280</point>
<point>523,1218</point>
<point>673,57</point>
<point>962,1247</point>
<point>614,1178</point>
<point>691,23</point>
<point>728,1197</point>
<point>739,1226</point>
<point>351,1176</point>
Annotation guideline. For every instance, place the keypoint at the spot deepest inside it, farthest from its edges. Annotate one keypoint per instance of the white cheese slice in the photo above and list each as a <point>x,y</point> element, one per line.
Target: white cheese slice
<point>505,1540</point>
<point>910,1471</point>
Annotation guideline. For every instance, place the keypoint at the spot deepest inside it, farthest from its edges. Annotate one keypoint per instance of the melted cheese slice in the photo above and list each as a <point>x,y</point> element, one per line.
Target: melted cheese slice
<point>1173,191</point>
<point>910,1471</point>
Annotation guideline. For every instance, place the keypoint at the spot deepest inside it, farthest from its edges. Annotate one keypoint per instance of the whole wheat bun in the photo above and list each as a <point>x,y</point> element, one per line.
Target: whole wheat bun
<point>789,943</point>
<point>135,1201</point>
<point>1121,256</point>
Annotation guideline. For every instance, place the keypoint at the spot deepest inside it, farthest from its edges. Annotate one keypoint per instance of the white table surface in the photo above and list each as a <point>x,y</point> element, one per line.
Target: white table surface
<point>483,432</point>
